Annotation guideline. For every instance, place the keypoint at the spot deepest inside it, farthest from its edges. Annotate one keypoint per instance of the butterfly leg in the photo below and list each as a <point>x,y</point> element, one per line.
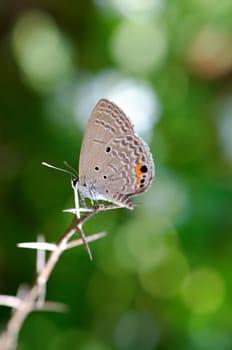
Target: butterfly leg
<point>82,200</point>
<point>77,209</point>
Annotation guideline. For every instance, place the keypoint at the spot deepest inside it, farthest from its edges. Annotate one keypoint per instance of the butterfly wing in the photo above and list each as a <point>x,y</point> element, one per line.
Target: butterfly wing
<point>106,120</point>
<point>115,164</point>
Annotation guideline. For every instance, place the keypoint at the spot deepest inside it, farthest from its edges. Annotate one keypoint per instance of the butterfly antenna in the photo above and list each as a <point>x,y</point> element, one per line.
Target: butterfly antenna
<point>70,167</point>
<point>72,173</point>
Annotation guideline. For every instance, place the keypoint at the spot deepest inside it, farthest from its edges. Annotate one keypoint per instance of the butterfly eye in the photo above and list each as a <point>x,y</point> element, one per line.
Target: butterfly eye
<point>108,149</point>
<point>75,182</point>
<point>96,168</point>
<point>104,177</point>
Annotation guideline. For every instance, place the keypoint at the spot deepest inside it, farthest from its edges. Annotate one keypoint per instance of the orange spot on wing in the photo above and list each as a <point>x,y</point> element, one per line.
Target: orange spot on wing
<point>138,173</point>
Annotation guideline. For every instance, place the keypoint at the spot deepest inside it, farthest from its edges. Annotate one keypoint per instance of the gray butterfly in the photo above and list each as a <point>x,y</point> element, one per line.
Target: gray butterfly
<point>115,163</point>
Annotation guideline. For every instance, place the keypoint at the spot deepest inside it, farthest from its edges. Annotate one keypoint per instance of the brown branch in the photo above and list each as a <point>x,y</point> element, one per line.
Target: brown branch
<point>9,338</point>
<point>34,298</point>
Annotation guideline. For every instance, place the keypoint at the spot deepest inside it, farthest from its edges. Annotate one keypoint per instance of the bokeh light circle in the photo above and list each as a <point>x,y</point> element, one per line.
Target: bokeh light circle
<point>164,279</point>
<point>144,243</point>
<point>43,53</point>
<point>225,126</point>
<point>137,330</point>
<point>211,339</point>
<point>139,47</point>
<point>135,9</point>
<point>169,197</point>
<point>203,291</point>
<point>135,97</point>
<point>210,52</point>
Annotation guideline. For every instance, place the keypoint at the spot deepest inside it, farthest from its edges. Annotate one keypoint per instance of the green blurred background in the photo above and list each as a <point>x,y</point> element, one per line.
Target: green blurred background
<point>161,279</point>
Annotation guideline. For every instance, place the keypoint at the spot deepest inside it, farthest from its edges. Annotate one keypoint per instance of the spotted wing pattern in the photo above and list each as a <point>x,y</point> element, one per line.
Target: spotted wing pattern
<point>115,163</point>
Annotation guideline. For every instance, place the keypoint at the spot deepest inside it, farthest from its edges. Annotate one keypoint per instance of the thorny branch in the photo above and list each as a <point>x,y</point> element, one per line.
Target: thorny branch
<point>34,298</point>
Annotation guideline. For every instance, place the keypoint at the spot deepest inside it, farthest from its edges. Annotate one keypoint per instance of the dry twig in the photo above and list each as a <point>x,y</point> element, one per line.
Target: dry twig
<point>34,298</point>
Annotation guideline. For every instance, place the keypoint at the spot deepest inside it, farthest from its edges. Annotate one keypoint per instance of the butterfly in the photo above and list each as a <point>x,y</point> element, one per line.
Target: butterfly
<point>115,164</point>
